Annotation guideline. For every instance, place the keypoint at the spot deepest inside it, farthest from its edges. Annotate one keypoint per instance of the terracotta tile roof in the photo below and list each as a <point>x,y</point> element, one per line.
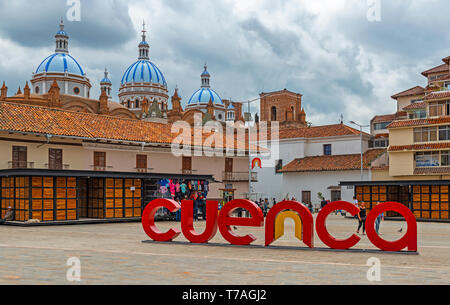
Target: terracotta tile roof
<point>389,117</point>
<point>425,146</point>
<point>382,135</point>
<point>57,122</point>
<point>333,163</point>
<point>418,105</point>
<point>431,170</point>
<point>419,122</point>
<point>380,168</point>
<point>437,95</point>
<point>441,68</point>
<point>319,131</point>
<point>442,77</point>
<point>418,90</point>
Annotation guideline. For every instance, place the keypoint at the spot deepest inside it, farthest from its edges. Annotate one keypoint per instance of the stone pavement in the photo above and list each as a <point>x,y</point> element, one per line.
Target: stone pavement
<point>115,254</point>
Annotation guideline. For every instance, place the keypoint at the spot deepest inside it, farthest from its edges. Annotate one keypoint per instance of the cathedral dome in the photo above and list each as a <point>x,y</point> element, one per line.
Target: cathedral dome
<point>203,96</point>
<point>205,93</point>
<point>60,63</point>
<point>143,71</point>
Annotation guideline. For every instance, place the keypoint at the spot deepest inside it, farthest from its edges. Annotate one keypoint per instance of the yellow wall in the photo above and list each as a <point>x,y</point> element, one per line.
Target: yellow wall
<point>402,136</point>
<point>401,163</point>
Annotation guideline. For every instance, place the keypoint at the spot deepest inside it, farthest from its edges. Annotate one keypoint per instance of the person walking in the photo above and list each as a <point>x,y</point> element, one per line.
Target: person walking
<point>362,218</point>
<point>378,221</point>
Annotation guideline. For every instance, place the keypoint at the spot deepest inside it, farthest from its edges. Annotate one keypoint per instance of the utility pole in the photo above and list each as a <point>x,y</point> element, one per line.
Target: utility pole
<point>361,133</point>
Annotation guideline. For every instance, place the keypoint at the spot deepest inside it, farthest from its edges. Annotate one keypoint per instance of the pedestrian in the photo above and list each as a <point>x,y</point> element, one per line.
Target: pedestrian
<point>362,218</point>
<point>266,206</point>
<point>356,203</point>
<point>195,198</point>
<point>310,207</point>
<point>323,203</point>
<point>274,202</point>
<point>9,216</point>
<point>378,221</point>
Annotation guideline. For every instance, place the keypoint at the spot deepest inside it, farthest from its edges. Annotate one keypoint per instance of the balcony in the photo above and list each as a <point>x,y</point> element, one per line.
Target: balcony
<point>238,177</point>
<point>143,170</point>
<point>188,171</point>
<point>101,168</point>
<point>57,166</point>
<point>20,164</point>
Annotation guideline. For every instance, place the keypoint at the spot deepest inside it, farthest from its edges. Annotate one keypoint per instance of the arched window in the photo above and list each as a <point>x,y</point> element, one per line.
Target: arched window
<point>136,105</point>
<point>128,104</point>
<point>274,113</point>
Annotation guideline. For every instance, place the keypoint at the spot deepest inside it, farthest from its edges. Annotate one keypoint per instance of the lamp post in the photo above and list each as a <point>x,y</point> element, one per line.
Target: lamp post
<point>248,119</point>
<point>360,128</point>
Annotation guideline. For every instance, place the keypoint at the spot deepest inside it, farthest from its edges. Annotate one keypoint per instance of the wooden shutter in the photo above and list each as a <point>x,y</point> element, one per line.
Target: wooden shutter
<point>99,159</point>
<point>228,165</point>
<point>55,158</point>
<point>306,197</point>
<point>187,163</point>
<point>20,157</point>
<point>141,161</point>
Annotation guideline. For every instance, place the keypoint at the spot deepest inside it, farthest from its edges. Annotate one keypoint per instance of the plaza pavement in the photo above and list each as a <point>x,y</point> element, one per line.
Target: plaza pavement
<point>115,254</point>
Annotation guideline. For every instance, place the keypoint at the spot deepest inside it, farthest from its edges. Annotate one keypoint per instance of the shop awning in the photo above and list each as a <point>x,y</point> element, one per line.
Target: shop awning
<point>100,174</point>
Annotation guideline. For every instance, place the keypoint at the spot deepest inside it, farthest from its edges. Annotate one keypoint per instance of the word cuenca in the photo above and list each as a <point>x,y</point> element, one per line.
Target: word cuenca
<point>304,223</point>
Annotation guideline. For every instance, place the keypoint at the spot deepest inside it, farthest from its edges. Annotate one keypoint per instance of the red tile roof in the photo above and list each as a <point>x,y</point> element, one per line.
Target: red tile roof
<point>418,105</point>
<point>333,163</point>
<point>319,131</point>
<point>418,90</point>
<point>442,78</point>
<point>389,117</point>
<point>441,68</point>
<point>437,95</point>
<point>57,122</point>
<point>425,146</point>
<point>419,122</point>
<point>382,135</point>
<point>431,170</point>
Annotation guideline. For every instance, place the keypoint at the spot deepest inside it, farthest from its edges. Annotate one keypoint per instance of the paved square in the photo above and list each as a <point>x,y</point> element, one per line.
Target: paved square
<point>115,254</point>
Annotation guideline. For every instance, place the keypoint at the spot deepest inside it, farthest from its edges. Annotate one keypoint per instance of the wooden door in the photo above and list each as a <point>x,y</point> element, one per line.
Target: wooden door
<point>19,157</point>
<point>228,165</point>
<point>141,162</point>
<point>187,164</point>
<point>55,158</point>
<point>99,159</point>
<point>306,197</point>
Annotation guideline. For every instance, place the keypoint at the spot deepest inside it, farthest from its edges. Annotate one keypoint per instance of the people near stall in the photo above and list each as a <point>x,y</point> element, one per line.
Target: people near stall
<point>9,216</point>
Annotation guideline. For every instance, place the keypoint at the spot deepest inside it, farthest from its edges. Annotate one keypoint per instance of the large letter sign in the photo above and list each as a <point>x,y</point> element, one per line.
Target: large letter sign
<point>304,223</point>
<point>305,216</point>
<point>226,221</point>
<point>187,221</point>
<point>323,233</point>
<point>408,240</point>
<point>148,220</point>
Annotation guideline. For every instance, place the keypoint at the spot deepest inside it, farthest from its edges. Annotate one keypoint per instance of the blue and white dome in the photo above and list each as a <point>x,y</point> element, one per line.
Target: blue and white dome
<point>143,71</point>
<point>203,96</point>
<point>205,93</point>
<point>60,63</point>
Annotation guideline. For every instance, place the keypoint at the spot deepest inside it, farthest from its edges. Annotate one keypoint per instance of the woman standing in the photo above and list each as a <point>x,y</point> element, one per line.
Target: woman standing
<point>362,217</point>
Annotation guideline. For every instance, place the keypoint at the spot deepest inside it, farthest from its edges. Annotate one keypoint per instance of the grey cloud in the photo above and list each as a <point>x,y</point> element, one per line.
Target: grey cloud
<point>33,23</point>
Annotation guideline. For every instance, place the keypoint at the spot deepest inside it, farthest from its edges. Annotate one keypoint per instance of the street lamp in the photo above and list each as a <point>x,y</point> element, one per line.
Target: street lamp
<point>361,127</point>
<point>249,119</point>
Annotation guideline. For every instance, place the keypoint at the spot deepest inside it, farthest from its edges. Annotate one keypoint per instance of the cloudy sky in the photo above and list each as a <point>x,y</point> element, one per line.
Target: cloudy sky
<point>328,50</point>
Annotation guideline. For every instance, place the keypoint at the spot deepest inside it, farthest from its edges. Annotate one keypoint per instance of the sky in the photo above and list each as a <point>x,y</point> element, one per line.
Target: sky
<point>345,56</point>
